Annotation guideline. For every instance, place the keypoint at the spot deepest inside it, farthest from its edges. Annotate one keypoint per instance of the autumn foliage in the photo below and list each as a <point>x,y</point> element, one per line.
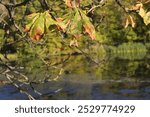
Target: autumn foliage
<point>76,23</point>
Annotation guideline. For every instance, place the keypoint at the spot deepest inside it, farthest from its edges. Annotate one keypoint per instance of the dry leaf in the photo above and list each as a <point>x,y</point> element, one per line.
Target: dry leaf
<point>127,23</point>
<point>74,42</point>
<point>130,21</point>
<point>137,6</point>
<point>72,3</point>
<point>88,26</point>
<point>90,30</point>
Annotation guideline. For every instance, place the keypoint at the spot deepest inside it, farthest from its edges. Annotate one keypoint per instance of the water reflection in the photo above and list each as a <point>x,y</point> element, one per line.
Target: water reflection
<point>114,78</point>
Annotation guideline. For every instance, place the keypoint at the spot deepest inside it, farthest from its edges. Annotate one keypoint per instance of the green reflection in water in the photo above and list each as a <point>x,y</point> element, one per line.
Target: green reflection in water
<point>116,76</point>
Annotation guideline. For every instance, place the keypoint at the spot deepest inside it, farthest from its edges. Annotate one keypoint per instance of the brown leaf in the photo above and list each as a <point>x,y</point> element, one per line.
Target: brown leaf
<point>90,30</point>
<point>72,3</point>
<point>37,33</point>
<point>88,26</point>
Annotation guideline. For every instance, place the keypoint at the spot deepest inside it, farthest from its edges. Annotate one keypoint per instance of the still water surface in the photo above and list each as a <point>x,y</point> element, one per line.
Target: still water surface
<point>116,77</point>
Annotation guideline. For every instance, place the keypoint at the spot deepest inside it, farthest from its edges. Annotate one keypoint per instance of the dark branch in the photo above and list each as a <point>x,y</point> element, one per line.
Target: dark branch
<point>44,4</point>
<point>123,7</point>
<point>22,3</point>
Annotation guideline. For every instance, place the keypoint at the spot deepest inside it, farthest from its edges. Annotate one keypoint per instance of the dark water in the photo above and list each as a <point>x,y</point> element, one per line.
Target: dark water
<point>77,77</point>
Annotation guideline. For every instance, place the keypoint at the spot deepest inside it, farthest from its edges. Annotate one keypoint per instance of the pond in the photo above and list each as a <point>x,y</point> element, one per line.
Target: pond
<point>76,77</point>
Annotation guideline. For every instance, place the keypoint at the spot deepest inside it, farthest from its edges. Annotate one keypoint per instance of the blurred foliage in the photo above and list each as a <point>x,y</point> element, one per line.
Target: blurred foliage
<point>130,51</point>
<point>80,69</point>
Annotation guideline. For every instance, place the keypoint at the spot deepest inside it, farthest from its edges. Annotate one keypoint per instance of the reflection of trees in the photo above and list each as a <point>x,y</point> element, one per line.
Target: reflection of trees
<point>38,80</point>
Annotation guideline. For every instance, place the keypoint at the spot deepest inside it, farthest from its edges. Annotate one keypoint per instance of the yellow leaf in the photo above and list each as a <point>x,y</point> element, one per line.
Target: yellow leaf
<point>127,23</point>
<point>131,21</point>
<point>31,19</point>
<point>142,12</point>
<point>147,18</point>
<point>137,6</point>
<point>74,43</point>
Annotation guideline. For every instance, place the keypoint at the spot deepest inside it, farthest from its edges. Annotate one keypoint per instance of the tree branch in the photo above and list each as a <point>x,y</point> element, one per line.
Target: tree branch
<point>123,7</point>
<point>44,4</point>
<point>22,3</point>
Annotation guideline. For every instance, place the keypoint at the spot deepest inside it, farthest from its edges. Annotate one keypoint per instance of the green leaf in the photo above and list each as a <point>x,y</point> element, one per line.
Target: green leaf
<point>31,20</point>
<point>49,20</point>
<point>38,24</point>
<point>76,24</point>
<point>37,30</point>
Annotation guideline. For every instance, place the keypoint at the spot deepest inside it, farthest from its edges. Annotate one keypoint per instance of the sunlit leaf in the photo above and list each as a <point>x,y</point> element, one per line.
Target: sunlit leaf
<point>37,30</point>
<point>74,43</point>
<point>130,21</point>
<point>138,6</point>
<point>127,23</point>
<point>145,15</point>
<point>62,24</point>
<point>142,12</point>
<point>49,20</point>
<point>38,24</point>
<point>31,20</point>
<point>147,18</point>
